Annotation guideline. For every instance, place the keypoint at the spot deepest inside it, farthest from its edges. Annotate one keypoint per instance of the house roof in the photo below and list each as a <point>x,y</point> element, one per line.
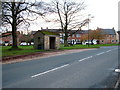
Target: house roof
<point>109,31</point>
<point>60,30</point>
<point>8,34</point>
<point>53,30</point>
<point>33,32</point>
<point>46,32</point>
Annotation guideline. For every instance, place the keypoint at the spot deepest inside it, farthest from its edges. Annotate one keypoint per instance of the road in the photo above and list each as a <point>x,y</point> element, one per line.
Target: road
<point>87,69</point>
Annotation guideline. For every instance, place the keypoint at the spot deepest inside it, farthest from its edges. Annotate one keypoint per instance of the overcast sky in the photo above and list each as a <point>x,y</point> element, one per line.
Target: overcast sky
<point>105,14</point>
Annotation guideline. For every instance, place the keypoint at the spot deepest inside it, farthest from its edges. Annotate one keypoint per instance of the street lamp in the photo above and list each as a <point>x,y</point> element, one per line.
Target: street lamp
<point>88,26</point>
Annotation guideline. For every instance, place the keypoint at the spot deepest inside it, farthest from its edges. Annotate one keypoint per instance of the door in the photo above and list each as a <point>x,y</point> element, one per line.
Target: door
<point>52,42</point>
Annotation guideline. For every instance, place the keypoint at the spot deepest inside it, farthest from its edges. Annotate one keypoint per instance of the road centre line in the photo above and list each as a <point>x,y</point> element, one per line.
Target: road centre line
<point>111,50</point>
<point>100,53</point>
<point>108,50</point>
<point>92,56</point>
<point>67,64</point>
<point>49,71</point>
<point>85,58</point>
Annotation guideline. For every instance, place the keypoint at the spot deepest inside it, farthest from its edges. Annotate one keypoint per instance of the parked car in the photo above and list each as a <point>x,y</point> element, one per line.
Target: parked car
<point>90,43</point>
<point>32,43</point>
<point>23,44</point>
<point>6,44</point>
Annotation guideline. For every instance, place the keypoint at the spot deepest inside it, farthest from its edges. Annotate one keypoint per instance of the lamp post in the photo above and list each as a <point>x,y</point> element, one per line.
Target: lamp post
<point>88,26</point>
<point>119,36</point>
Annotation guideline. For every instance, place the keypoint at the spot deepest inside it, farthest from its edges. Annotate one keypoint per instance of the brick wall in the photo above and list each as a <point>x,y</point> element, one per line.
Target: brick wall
<point>109,39</point>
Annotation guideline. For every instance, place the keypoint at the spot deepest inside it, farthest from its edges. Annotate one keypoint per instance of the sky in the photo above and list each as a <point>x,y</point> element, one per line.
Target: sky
<point>105,13</point>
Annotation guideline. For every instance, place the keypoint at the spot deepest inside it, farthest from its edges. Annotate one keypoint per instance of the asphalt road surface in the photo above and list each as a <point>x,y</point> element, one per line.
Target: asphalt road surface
<point>87,69</point>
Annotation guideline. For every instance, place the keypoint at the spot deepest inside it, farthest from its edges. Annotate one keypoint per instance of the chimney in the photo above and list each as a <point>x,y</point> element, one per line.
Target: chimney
<point>113,28</point>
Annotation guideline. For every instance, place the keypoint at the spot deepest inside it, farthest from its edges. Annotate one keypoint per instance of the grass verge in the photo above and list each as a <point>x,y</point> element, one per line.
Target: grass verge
<point>29,49</point>
<point>24,50</point>
<point>86,46</point>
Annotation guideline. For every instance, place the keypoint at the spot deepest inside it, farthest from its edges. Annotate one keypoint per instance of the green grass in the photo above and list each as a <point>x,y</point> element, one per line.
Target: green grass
<point>100,45</point>
<point>29,49</point>
<point>24,50</point>
<point>85,46</point>
<point>77,47</point>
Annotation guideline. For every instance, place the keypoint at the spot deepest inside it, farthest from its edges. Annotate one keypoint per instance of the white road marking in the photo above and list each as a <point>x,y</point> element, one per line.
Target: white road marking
<point>117,70</point>
<point>85,58</point>
<point>49,71</point>
<point>108,50</point>
<point>100,53</point>
<point>68,64</point>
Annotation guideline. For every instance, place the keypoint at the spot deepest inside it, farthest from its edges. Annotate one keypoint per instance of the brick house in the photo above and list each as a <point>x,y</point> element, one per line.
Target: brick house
<point>76,38</point>
<point>110,36</point>
<point>6,38</point>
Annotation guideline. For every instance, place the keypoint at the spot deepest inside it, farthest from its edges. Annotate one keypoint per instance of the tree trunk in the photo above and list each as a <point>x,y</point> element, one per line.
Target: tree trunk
<point>14,35</point>
<point>65,41</point>
<point>14,28</point>
<point>66,37</point>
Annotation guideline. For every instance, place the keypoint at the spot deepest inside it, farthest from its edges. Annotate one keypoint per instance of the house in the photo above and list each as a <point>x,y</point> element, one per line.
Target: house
<point>110,35</point>
<point>77,37</point>
<point>6,38</point>
<point>46,40</point>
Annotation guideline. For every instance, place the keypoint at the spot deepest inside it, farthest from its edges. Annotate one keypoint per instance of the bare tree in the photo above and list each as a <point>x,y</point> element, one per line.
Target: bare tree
<point>97,34</point>
<point>69,16</point>
<point>84,37</point>
<point>16,14</point>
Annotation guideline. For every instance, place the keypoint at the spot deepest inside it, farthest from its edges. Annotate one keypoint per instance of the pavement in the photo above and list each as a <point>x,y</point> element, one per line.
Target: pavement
<point>83,69</point>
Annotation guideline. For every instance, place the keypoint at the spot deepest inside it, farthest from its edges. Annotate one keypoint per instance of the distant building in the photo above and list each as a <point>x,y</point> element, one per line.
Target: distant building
<point>46,40</point>
<point>110,35</point>
<point>6,38</point>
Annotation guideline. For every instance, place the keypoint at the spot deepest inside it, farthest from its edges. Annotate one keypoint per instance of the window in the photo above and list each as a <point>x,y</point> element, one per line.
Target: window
<point>102,40</point>
<point>112,40</point>
<point>77,35</point>
<point>112,35</point>
<point>78,40</point>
